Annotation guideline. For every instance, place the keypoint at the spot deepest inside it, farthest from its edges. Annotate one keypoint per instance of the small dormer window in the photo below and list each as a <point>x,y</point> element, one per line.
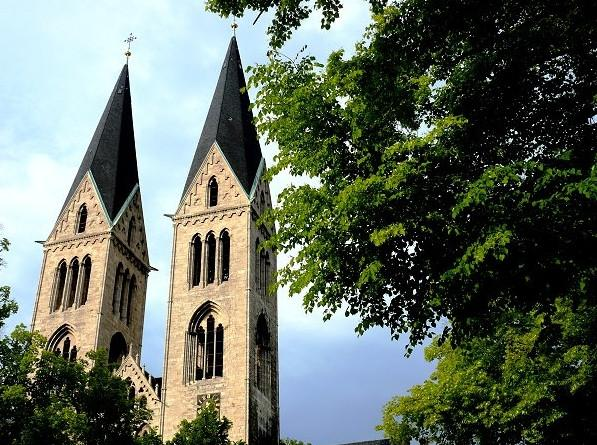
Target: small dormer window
<point>82,219</point>
<point>213,192</point>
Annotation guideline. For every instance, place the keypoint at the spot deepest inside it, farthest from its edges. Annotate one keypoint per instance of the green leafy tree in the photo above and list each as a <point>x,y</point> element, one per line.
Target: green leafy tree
<point>454,154</point>
<point>525,384</point>
<point>205,429</point>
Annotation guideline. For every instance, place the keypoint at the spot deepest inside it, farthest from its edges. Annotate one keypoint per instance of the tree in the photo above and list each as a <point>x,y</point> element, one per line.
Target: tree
<point>525,384</point>
<point>7,306</point>
<point>454,154</point>
<point>205,429</point>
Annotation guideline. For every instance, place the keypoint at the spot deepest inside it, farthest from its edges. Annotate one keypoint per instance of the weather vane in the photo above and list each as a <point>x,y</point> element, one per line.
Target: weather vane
<point>129,40</point>
<point>234,26</point>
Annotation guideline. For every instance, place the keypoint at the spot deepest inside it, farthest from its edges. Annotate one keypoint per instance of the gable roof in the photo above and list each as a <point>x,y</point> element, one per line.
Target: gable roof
<point>229,122</point>
<point>111,155</point>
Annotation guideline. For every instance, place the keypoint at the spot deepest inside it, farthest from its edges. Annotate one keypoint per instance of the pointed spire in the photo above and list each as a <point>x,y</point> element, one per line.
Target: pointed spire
<point>229,122</point>
<point>111,156</point>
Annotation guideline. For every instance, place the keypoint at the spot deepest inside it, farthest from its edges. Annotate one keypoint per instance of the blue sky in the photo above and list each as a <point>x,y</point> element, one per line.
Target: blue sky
<point>60,60</point>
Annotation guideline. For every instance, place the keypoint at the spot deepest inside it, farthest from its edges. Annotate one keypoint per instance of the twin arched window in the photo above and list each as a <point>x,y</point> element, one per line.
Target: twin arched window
<point>81,219</point>
<point>212,191</point>
<point>211,255</point>
<point>125,286</point>
<point>71,285</point>
<point>204,346</point>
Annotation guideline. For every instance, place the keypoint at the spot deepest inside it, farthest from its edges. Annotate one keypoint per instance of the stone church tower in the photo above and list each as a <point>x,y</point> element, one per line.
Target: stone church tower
<point>221,335</point>
<point>93,280</point>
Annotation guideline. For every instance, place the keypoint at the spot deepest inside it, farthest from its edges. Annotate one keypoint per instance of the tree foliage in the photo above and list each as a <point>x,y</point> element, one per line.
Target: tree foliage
<point>205,429</point>
<point>454,154</point>
<point>524,385</point>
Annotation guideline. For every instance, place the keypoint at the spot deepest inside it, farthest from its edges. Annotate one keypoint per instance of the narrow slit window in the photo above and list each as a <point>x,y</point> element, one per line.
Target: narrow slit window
<point>61,277</point>
<point>130,238</point>
<point>209,346</point>
<point>74,276</point>
<point>124,294</point>
<point>257,267</point>
<point>213,192</point>
<point>219,366</point>
<point>225,240</point>
<point>211,258</point>
<point>82,219</point>
<point>200,362</point>
<point>117,286</point>
<point>129,307</point>
<point>196,261</point>
<point>86,279</point>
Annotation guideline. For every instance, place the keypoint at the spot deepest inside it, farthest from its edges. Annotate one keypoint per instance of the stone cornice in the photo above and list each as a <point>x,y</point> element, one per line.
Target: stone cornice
<point>212,212</point>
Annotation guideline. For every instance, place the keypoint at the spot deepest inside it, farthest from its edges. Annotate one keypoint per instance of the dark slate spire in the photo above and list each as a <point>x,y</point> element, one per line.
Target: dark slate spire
<point>229,122</point>
<point>111,156</point>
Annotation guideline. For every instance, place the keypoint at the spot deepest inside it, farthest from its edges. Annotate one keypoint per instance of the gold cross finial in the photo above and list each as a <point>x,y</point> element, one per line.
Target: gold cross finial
<point>234,26</point>
<point>129,40</point>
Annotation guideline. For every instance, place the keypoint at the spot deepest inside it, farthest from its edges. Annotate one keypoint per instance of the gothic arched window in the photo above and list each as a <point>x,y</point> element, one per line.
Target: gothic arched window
<point>196,246</point>
<point>62,342</point>
<point>85,280</point>
<point>130,237</point>
<point>126,281</point>
<point>211,257</point>
<point>60,285</point>
<point>204,349</point>
<point>263,373</point>
<point>262,200</point>
<point>82,219</point>
<point>118,348</point>
<point>74,277</point>
<point>131,297</point>
<point>225,246</point>
<point>212,188</point>
<point>117,287</point>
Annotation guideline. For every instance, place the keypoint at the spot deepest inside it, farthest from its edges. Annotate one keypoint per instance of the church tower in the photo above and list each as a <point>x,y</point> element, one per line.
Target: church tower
<point>91,292</point>
<point>222,333</point>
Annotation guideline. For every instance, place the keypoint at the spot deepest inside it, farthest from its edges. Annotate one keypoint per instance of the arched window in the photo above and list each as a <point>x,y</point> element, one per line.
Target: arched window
<point>62,342</point>
<point>262,200</point>
<point>212,188</point>
<point>82,219</point>
<point>266,275</point>
<point>225,246</point>
<point>257,265</point>
<point>117,287</point>
<point>129,307</point>
<point>196,246</point>
<point>118,348</point>
<point>130,237</point>
<point>60,285</point>
<point>211,258</point>
<point>74,277</point>
<point>85,280</point>
<point>263,356</point>
<point>262,264</point>
<point>204,348</point>
<point>126,281</point>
